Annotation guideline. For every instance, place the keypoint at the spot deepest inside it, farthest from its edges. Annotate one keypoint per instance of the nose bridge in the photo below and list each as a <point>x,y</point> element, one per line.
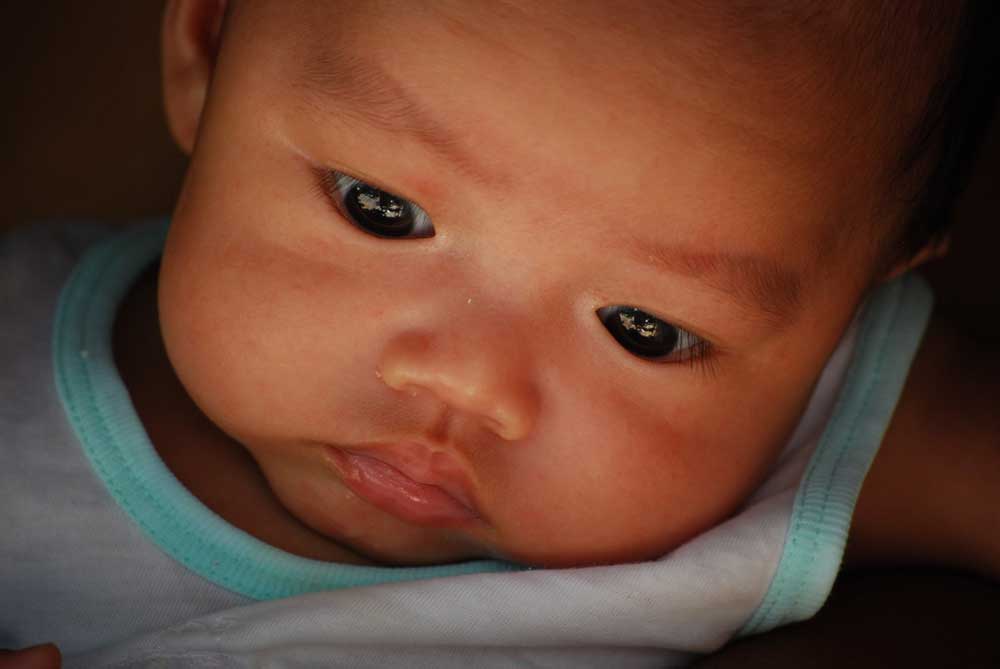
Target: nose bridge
<point>472,360</point>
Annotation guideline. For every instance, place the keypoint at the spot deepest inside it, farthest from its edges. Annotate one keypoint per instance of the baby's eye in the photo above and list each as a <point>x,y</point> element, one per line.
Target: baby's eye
<point>649,337</point>
<point>374,210</point>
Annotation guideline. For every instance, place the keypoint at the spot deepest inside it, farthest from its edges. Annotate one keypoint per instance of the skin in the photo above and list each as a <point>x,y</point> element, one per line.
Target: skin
<point>284,329</point>
<point>45,656</point>
<point>291,329</point>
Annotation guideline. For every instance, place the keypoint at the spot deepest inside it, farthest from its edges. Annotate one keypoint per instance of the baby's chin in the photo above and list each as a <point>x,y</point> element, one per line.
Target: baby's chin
<point>431,555</point>
<point>420,550</point>
<point>389,542</point>
<point>414,548</point>
<point>392,543</point>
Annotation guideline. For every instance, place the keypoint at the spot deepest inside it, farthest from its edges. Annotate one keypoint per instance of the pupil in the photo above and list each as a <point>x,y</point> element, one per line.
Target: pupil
<point>378,211</point>
<point>642,334</point>
<point>647,329</point>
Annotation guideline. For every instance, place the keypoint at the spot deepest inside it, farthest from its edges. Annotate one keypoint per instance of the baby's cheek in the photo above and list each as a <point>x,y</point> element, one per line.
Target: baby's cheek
<point>217,336</point>
<point>602,491</point>
<point>631,483</point>
<point>248,330</point>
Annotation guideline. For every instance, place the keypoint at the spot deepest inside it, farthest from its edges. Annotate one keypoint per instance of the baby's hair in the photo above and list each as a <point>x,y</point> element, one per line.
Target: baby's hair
<point>927,71</point>
<point>945,142</point>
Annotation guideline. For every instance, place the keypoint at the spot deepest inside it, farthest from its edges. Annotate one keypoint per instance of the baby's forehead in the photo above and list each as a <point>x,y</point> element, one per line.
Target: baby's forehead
<point>756,33</point>
<point>790,79</point>
<point>752,74</point>
<point>766,51</point>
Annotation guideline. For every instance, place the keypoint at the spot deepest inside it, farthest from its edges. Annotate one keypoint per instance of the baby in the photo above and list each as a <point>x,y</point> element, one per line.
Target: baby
<point>457,289</point>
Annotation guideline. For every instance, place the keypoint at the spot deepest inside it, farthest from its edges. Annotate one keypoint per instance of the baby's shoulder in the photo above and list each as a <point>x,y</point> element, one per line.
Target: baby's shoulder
<point>933,492</point>
<point>35,262</point>
<point>67,234</point>
<point>953,391</point>
<point>32,250</point>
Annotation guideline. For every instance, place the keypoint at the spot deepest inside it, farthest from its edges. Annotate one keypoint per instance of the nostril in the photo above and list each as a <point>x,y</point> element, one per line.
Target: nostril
<point>513,421</point>
<point>496,427</point>
<point>473,380</point>
<point>395,377</point>
<point>399,383</point>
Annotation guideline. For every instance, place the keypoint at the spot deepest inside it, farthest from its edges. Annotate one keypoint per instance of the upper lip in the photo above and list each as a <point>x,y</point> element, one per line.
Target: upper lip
<point>423,464</point>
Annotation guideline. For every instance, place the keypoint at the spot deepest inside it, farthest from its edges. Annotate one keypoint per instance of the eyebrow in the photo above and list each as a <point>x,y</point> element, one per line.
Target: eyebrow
<point>754,281</point>
<point>364,90</point>
<point>360,88</point>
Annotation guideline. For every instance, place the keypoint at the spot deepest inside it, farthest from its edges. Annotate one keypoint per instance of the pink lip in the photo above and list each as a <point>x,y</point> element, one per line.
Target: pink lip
<point>406,480</point>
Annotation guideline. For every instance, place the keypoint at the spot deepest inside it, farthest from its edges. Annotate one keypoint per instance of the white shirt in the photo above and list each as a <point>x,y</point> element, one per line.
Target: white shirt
<point>107,555</point>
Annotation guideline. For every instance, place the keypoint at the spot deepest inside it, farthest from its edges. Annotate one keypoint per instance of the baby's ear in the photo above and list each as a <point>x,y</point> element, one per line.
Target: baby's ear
<point>189,41</point>
<point>929,252</point>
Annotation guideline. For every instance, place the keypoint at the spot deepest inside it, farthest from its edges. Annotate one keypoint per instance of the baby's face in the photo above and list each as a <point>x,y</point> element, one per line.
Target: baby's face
<point>546,285</point>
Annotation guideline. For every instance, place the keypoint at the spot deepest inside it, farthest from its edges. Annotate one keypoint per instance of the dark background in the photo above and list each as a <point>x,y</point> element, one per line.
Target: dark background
<point>83,136</point>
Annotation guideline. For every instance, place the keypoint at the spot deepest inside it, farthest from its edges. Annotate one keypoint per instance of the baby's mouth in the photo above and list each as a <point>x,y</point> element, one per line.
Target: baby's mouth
<point>405,481</point>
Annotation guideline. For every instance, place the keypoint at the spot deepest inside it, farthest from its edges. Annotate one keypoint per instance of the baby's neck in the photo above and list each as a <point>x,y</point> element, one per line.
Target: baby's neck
<point>212,466</point>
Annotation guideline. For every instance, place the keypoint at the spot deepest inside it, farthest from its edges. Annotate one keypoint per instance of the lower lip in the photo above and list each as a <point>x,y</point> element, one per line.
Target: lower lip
<point>394,492</point>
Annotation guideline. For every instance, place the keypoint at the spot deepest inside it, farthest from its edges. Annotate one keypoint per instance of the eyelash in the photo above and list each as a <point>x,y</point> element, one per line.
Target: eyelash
<point>333,185</point>
<point>703,358</point>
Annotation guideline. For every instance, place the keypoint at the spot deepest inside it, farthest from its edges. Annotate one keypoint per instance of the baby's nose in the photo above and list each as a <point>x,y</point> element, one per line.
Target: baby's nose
<point>473,372</point>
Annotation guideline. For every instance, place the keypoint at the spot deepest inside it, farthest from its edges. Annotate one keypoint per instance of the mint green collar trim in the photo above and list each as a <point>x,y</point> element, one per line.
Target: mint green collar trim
<point>891,328</point>
<point>101,413</point>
